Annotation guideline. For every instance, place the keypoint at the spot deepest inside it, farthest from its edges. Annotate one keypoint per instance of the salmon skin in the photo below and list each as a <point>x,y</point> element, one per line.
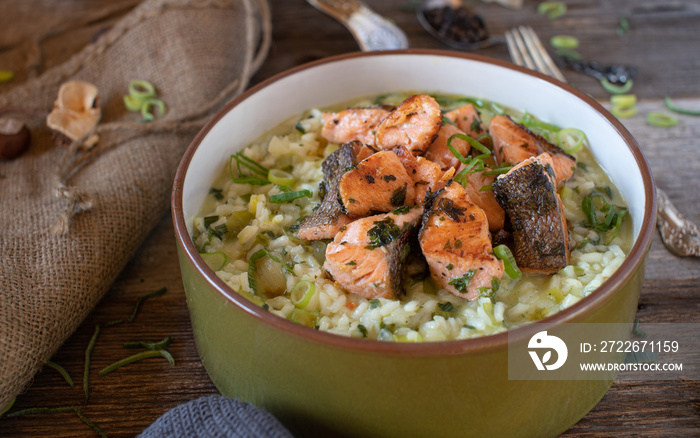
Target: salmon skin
<point>367,255</point>
<point>456,243</point>
<point>528,194</point>
<point>514,143</point>
<point>379,183</point>
<point>328,217</point>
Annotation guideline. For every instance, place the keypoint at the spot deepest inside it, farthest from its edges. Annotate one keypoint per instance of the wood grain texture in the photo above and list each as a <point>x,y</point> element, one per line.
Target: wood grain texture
<point>662,42</point>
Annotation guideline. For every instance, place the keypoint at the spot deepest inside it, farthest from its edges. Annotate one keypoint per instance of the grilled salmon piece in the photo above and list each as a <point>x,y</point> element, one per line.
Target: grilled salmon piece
<point>427,176</point>
<point>438,151</point>
<point>456,243</point>
<point>514,143</point>
<point>352,124</point>
<point>328,218</point>
<point>413,124</point>
<point>367,256</point>
<point>467,120</point>
<point>528,194</point>
<point>485,198</point>
<point>379,183</point>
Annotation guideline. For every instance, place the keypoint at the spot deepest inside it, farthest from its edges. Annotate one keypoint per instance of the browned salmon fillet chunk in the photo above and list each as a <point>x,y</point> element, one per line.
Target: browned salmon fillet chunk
<point>514,143</point>
<point>439,152</point>
<point>427,176</point>
<point>456,243</point>
<point>476,188</point>
<point>352,124</point>
<point>528,194</point>
<point>379,183</point>
<point>367,256</point>
<point>467,120</point>
<point>413,124</point>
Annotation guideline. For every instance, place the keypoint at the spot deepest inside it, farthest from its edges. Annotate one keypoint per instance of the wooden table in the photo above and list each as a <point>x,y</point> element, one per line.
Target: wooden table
<point>662,42</point>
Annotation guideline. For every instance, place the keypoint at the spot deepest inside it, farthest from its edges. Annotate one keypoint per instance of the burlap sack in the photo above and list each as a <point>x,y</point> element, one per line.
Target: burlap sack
<point>72,219</point>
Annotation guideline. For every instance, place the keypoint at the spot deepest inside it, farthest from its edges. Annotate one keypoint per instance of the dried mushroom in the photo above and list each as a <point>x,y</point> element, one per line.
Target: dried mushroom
<point>14,138</point>
<point>75,113</point>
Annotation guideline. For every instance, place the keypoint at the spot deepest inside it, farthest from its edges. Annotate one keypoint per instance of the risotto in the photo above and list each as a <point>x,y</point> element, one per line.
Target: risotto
<point>247,231</point>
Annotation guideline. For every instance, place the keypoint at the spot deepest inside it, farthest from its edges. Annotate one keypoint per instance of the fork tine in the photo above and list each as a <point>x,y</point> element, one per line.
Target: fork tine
<point>539,54</point>
<point>521,49</point>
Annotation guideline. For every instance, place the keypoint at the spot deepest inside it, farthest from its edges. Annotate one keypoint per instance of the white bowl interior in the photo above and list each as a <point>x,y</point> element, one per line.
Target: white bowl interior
<point>341,80</point>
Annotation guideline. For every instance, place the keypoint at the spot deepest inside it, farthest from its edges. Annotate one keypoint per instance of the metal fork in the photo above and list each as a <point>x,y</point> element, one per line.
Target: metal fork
<point>526,50</point>
<point>679,235</point>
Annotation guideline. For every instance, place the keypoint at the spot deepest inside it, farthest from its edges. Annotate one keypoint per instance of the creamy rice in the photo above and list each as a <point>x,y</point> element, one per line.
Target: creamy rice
<point>248,222</point>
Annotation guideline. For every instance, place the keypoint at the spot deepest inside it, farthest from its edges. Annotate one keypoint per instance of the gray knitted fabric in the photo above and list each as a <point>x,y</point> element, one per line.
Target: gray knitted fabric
<point>216,416</point>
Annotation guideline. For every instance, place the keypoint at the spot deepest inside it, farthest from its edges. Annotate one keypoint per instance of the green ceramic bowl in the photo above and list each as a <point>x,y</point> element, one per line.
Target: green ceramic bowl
<point>319,384</point>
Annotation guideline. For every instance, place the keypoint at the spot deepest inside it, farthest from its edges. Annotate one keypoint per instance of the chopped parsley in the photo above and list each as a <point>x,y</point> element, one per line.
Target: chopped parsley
<point>383,233</point>
<point>217,193</point>
<point>362,329</point>
<point>398,197</point>
<point>373,304</point>
<point>461,283</point>
<point>447,307</point>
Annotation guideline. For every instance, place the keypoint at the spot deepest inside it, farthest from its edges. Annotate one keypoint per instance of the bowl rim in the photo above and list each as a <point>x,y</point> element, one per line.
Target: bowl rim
<point>634,260</point>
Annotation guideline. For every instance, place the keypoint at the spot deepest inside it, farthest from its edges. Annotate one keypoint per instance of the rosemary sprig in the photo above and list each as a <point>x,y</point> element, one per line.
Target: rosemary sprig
<point>62,371</point>
<point>75,409</point>
<point>137,357</point>
<point>162,345</point>
<point>86,370</point>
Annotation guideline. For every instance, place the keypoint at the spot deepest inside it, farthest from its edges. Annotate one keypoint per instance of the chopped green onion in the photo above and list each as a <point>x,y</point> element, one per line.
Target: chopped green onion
<point>244,179</point>
<point>530,122</point>
<point>486,188</point>
<point>499,170</point>
<point>62,371</point>
<point>511,267</point>
<point>623,112</point>
<point>616,89</point>
<point>568,53</point>
<point>281,198</point>
<point>141,89</point>
<point>564,42</point>
<point>146,109</point>
<point>374,303</point>
<point>304,317</point>
<point>162,345</point>
<point>280,177</point>
<point>136,357</point>
<point>571,139</point>
<point>253,268</point>
<point>601,215</point>
<point>461,283</point>
<point>623,100</point>
<point>637,332</point>
<point>215,260</point>
<point>6,76</point>
<point>623,25</point>
<point>676,109</point>
<point>661,120</point>
<point>552,9</point>
<point>446,121</point>
<point>302,293</point>
<point>132,103</point>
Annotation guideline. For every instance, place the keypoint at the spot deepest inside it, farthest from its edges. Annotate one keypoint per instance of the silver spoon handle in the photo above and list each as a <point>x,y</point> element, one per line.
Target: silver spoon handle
<point>680,236</point>
<point>370,30</point>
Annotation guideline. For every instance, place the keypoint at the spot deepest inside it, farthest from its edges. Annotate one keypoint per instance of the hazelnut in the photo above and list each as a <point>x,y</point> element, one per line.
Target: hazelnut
<point>14,138</point>
<point>75,112</point>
